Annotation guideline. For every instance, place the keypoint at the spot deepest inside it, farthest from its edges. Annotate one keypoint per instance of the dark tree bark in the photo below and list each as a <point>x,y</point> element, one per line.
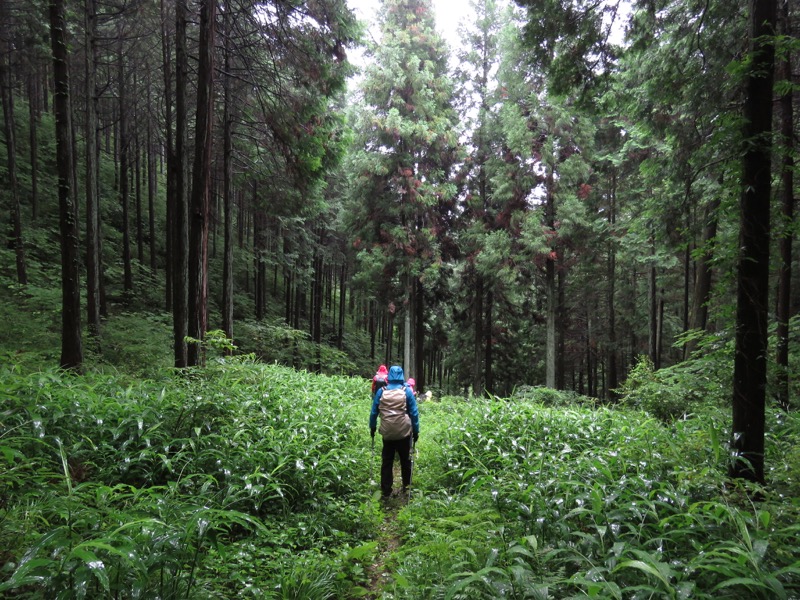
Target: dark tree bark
<point>419,335</point>
<point>227,187</point>
<point>11,146</point>
<point>550,287</point>
<point>652,296</point>
<point>33,117</point>
<point>124,184</point>
<point>91,163</point>
<point>787,214</point>
<point>71,343</point>
<point>200,203</point>
<point>750,360</point>
<point>703,274</point>
<point>180,221</point>
<point>478,341</point>
<point>137,176</point>
<point>166,56</point>
<point>151,183</point>
<point>613,377</point>
<point>342,302</point>
<point>488,361</point>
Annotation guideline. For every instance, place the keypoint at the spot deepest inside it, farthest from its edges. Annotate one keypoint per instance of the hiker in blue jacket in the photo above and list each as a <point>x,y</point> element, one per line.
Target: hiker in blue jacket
<point>397,407</point>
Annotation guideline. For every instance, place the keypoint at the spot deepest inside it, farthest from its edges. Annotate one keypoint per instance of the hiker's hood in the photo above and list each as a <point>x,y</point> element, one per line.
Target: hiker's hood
<point>382,370</point>
<point>396,375</point>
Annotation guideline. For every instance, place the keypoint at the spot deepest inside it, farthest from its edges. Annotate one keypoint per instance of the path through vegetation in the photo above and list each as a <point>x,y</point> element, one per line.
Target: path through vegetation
<point>389,540</point>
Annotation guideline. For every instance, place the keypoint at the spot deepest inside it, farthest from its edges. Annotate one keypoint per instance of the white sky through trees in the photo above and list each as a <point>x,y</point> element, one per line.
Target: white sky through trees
<point>448,14</point>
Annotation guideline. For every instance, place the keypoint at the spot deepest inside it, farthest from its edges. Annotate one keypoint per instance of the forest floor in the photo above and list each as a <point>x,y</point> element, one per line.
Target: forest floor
<point>389,540</point>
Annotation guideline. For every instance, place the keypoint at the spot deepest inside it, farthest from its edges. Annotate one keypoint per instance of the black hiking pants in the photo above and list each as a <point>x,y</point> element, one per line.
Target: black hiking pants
<point>403,450</point>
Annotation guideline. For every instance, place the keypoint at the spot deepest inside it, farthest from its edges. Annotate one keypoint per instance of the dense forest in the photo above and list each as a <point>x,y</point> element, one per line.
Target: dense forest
<point>544,205</point>
<point>574,229</point>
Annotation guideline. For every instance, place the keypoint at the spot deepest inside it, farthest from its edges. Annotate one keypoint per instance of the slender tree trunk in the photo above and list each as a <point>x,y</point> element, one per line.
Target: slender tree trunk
<point>613,380</point>
<point>91,161</point>
<point>560,325</point>
<point>342,302</point>
<point>407,334</point>
<point>550,287</point>
<point>124,149</point>
<point>750,359</point>
<point>259,268</point>
<point>227,186</point>
<point>703,273</point>
<point>787,225</point>
<point>11,150</point>
<point>137,176</point>
<point>171,159</point>
<point>34,148</point>
<point>151,184</point>
<point>488,361</point>
<point>478,341</point>
<point>419,335</point>
<point>180,230</point>
<point>71,343</point>
<point>201,183</point>
<point>652,296</point>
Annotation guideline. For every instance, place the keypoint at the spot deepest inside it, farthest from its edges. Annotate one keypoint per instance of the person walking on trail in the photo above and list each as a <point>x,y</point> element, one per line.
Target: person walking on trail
<point>396,406</point>
<point>380,379</point>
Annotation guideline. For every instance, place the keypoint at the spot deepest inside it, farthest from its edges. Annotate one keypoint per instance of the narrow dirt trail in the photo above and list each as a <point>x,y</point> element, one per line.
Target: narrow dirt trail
<point>389,540</point>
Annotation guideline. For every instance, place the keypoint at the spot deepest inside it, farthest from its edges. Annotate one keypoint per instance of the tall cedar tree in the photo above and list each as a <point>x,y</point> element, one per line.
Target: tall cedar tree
<point>71,343</point>
<point>478,61</point>
<point>787,214</point>
<point>548,142</point>
<point>200,203</point>
<point>409,139</point>
<point>7,94</point>
<point>90,179</point>
<point>179,211</point>
<point>750,359</point>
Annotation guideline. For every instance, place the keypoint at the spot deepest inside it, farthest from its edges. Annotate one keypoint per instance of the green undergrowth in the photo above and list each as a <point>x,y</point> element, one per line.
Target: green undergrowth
<point>528,501</point>
<point>246,480</point>
<point>232,480</point>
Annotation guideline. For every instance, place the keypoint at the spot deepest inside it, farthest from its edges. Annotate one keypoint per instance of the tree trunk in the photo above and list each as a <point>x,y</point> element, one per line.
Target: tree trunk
<point>124,149</point>
<point>419,335</point>
<point>407,358</point>
<point>227,187</point>
<point>488,361</point>
<point>787,225</point>
<point>166,57</point>
<point>200,203</point>
<point>71,343</point>
<point>560,325</point>
<point>92,197</point>
<point>478,342</point>
<point>151,184</point>
<point>652,296</point>
<point>33,117</point>
<point>613,379</point>
<point>137,176</point>
<point>750,359</point>
<point>550,287</point>
<point>180,230</point>
<point>703,272</point>
<point>11,149</point>
<point>342,302</point>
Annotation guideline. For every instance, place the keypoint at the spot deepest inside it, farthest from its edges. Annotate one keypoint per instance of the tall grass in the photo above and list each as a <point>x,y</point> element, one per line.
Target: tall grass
<point>540,502</point>
<point>133,491</point>
<point>249,480</point>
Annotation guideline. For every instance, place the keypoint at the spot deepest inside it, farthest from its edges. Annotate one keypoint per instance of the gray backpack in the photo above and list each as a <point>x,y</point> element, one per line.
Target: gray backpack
<point>395,422</point>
